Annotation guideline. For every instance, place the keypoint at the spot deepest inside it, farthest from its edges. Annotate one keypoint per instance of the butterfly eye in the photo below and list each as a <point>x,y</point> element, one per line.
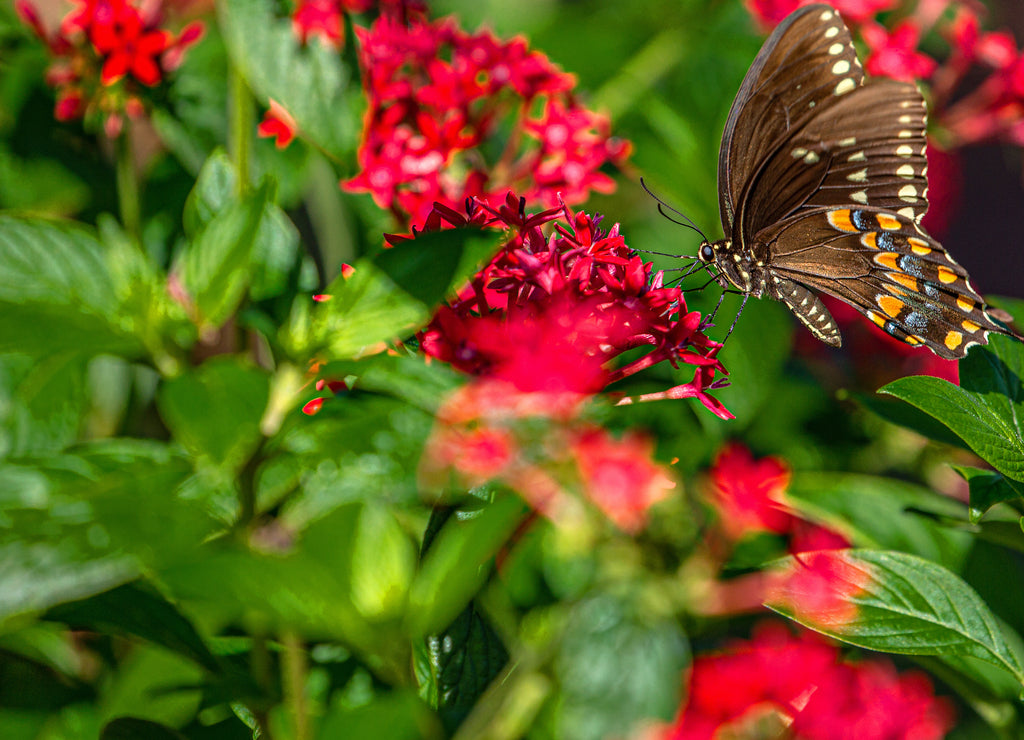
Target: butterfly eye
<point>707,253</point>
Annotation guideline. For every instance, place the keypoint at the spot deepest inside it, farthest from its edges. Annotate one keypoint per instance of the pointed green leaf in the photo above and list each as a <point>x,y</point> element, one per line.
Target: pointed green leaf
<point>397,715</point>
<point>984,420</point>
<point>903,604</point>
<point>988,489</point>
<point>215,266</point>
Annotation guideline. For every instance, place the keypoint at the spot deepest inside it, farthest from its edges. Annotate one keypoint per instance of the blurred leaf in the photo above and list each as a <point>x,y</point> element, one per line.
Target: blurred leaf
<point>56,291</point>
<point>911,606</point>
<point>215,266</point>
<point>369,553</point>
<point>214,190</point>
<point>457,563</point>
<point>309,80</point>
<point>610,651</point>
<point>43,403</point>
<point>153,684</point>
<point>133,728</point>
<point>435,263</point>
<point>901,414</point>
<point>408,377</point>
<point>137,609</point>
<point>884,513</point>
<point>214,411</point>
<point>398,715</point>
<point>988,489</point>
<point>987,410</point>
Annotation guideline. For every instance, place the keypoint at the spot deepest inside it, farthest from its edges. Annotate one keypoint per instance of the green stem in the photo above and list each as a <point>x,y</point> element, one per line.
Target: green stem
<point>242,121</point>
<point>294,679</point>
<point>127,183</point>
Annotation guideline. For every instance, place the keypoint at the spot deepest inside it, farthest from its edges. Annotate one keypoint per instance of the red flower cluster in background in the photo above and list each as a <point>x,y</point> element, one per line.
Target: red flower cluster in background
<point>106,53</point>
<point>994,111</point>
<point>442,101</point>
<point>324,19</point>
<point>550,314</point>
<point>781,685</point>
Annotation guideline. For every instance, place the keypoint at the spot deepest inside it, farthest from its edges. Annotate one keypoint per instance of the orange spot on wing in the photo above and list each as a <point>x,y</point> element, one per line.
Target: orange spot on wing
<point>965,304</point>
<point>953,340</point>
<point>890,305</point>
<point>888,223</point>
<point>869,240</point>
<point>946,275</point>
<point>880,320</point>
<point>905,280</point>
<point>887,259</point>
<point>840,220</point>
<point>919,246</point>
<point>970,326</point>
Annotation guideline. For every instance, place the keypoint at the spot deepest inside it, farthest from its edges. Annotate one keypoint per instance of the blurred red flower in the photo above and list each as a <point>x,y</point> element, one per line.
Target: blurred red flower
<point>105,54</point>
<point>748,493</point>
<point>781,685</point>
<point>619,476</point>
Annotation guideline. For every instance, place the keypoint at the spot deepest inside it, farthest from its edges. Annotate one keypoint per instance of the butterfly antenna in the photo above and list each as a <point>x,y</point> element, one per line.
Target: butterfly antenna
<point>662,205</point>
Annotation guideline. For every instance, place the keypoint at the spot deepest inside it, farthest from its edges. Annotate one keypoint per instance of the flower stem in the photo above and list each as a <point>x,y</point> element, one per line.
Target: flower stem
<point>127,183</point>
<point>294,680</point>
<point>240,113</point>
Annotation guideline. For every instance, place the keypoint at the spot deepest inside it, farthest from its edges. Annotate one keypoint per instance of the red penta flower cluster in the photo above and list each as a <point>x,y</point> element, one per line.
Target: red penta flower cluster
<point>551,313</point>
<point>442,102</point>
<point>781,685</point>
<point>106,53</point>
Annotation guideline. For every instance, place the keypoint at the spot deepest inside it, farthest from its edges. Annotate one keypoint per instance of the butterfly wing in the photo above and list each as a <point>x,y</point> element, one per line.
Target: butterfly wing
<point>808,59</point>
<point>883,264</point>
<point>862,148</point>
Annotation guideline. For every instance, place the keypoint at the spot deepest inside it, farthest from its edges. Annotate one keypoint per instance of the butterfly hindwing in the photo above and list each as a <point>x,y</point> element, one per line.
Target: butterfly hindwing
<point>886,267</point>
<point>806,60</point>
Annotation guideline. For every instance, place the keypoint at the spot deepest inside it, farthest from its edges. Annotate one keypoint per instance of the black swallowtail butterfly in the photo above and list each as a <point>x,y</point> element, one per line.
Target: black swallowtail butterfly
<point>822,186</point>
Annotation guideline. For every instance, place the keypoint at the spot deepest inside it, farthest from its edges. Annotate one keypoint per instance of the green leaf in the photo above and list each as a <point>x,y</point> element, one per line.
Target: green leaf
<point>397,715</point>
<point>215,265</point>
<point>986,420</point>
<point>370,555</point>
<point>214,191</point>
<point>458,563</point>
<point>137,609</point>
<point>899,413</point>
<point>907,605</point>
<point>884,513</point>
<point>56,291</point>
<point>365,309</point>
<point>214,411</point>
<point>435,263</point>
<point>153,684</point>
<point>988,489</point>
<point>310,80</point>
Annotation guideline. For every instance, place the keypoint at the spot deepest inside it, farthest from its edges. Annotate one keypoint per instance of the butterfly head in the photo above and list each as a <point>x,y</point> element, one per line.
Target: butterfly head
<point>736,266</point>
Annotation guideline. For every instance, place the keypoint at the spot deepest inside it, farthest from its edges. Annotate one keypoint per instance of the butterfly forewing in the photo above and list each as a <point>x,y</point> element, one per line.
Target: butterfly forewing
<point>865,147</point>
<point>806,60</point>
<point>882,264</point>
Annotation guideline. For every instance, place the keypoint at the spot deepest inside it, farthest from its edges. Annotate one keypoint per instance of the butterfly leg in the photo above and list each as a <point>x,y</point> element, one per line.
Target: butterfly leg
<point>738,314</point>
